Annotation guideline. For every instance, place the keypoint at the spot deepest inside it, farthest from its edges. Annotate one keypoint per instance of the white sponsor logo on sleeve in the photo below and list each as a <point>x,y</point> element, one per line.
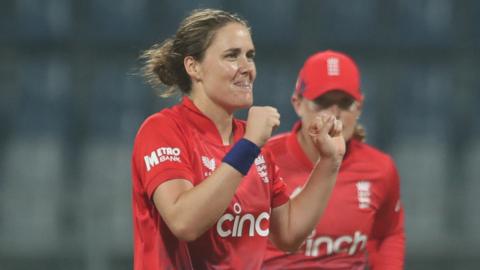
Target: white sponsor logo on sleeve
<point>160,155</point>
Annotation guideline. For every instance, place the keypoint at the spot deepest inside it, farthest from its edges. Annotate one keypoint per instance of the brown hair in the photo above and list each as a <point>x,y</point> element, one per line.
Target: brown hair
<point>164,62</point>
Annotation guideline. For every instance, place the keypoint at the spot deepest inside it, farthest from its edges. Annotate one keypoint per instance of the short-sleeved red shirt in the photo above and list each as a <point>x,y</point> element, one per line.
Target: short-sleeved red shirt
<point>182,143</point>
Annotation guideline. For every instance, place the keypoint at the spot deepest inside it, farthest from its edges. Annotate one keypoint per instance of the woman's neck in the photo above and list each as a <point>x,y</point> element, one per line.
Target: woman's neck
<point>219,116</point>
<point>307,145</point>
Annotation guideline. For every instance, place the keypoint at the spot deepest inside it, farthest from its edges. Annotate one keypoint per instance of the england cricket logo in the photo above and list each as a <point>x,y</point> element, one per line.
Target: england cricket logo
<point>262,168</point>
<point>209,164</point>
<point>363,194</point>
<point>333,66</point>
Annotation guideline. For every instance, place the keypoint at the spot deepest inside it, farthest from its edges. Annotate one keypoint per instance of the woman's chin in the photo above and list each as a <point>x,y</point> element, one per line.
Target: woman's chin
<point>241,104</point>
<point>243,101</point>
<point>246,103</point>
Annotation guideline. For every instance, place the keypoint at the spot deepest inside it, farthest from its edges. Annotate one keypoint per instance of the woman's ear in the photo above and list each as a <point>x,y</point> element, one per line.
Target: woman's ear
<point>359,108</point>
<point>192,67</point>
<point>296,103</point>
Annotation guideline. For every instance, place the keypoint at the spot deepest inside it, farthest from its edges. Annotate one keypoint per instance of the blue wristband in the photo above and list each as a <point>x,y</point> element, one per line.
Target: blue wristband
<point>242,155</point>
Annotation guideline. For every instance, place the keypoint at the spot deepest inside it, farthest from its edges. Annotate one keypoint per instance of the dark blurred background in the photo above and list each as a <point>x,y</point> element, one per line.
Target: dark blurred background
<point>70,104</point>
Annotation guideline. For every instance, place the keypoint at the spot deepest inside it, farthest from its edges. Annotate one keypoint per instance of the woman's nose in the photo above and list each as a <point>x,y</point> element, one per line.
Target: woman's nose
<point>335,110</point>
<point>245,65</point>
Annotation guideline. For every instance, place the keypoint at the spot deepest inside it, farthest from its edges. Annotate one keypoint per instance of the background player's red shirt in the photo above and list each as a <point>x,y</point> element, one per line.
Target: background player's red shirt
<point>182,143</point>
<point>364,207</point>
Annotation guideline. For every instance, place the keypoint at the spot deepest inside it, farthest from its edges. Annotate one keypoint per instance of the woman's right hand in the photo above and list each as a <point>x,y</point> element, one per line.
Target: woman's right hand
<point>326,134</point>
<point>261,122</point>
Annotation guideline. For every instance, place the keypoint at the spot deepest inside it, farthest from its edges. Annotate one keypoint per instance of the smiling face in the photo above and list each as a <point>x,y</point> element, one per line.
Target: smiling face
<point>226,73</point>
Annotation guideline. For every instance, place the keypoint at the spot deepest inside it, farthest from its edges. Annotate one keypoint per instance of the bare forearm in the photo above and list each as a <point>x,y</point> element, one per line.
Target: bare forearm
<point>197,209</point>
<point>306,209</point>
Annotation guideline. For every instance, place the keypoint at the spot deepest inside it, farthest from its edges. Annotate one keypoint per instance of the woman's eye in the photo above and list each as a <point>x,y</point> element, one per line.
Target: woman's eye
<point>345,103</point>
<point>321,103</point>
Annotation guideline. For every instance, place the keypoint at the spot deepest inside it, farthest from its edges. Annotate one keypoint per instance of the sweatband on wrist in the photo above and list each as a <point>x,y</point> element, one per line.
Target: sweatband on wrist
<point>242,155</point>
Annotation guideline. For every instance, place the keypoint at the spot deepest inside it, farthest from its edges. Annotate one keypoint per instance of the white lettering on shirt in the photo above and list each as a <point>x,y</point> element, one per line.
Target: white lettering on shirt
<point>342,244</point>
<point>239,221</point>
<point>160,155</point>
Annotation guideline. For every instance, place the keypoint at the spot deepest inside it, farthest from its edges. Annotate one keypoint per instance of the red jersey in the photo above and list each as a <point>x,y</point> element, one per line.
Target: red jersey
<point>182,143</point>
<point>364,208</point>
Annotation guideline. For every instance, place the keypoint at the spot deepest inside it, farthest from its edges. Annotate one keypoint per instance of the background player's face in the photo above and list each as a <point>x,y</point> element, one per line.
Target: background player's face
<point>227,70</point>
<point>338,103</point>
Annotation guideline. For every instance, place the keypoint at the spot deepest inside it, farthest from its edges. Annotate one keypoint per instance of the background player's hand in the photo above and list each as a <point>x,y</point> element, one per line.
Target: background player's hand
<point>326,134</point>
<point>261,122</point>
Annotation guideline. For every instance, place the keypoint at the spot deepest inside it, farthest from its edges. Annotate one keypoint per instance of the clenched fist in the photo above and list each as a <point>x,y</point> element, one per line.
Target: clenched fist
<point>326,134</point>
<point>261,122</point>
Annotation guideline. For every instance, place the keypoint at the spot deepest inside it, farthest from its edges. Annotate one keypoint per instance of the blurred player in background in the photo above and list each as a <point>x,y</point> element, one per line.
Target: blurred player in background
<point>205,195</point>
<point>364,211</point>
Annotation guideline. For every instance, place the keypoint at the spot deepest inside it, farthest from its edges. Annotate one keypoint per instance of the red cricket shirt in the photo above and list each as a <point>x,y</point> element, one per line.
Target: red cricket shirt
<point>364,208</point>
<point>182,143</point>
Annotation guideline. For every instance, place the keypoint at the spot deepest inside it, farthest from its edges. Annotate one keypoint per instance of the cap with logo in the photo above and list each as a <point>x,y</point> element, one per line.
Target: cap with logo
<point>328,71</point>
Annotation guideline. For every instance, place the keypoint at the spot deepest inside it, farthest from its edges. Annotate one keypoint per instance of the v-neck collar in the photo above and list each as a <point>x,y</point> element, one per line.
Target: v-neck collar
<point>207,127</point>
